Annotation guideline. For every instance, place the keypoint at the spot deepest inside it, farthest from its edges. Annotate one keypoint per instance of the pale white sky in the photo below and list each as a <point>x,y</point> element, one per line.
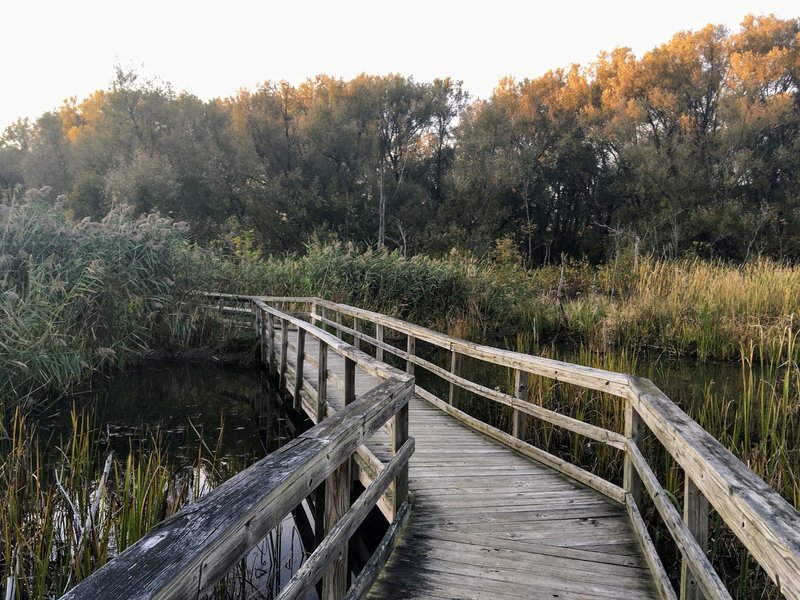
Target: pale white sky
<point>55,49</point>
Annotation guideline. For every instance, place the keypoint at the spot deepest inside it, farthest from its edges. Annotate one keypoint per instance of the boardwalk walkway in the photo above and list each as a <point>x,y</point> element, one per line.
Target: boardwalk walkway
<point>490,523</point>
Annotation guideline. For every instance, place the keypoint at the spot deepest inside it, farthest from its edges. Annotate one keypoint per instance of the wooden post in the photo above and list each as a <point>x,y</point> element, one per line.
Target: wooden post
<point>357,329</point>
<point>271,343</point>
<point>263,335</point>
<point>349,381</point>
<point>411,348</point>
<point>323,314</point>
<point>322,382</point>
<point>284,352</point>
<point>521,392</point>
<point>695,514</point>
<point>298,372</point>
<point>379,337</point>
<point>634,430</point>
<point>399,437</point>
<point>338,324</point>
<point>455,369</point>
<point>337,501</point>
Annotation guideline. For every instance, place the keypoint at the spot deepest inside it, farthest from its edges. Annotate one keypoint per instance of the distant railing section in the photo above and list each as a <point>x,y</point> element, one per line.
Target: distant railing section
<point>767,525</point>
<point>190,552</point>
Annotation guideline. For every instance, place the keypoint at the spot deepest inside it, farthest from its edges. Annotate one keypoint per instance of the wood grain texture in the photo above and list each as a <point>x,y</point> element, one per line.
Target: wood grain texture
<point>192,550</point>
<point>465,484</point>
<point>760,518</point>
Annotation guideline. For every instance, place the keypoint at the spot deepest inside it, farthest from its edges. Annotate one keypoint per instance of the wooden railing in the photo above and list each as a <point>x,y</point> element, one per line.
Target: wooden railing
<point>190,552</point>
<point>767,525</point>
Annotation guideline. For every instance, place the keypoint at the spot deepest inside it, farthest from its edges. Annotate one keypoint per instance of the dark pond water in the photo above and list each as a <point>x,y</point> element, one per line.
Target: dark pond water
<point>224,411</point>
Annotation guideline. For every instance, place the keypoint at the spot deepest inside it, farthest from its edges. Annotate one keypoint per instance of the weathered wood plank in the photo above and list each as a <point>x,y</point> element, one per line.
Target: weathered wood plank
<point>695,514</point>
<point>346,524</point>
<point>758,515</point>
<point>189,552</point>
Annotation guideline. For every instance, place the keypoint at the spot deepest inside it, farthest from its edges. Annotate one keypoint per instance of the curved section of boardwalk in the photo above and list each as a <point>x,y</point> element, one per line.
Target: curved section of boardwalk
<point>490,523</point>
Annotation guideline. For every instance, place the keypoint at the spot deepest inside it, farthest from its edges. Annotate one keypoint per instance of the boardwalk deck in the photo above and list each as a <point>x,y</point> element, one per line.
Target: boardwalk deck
<point>490,523</point>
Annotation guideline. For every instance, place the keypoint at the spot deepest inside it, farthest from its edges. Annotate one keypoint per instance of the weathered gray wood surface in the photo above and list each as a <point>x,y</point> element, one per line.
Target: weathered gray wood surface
<point>488,522</point>
<point>191,551</point>
<point>766,523</point>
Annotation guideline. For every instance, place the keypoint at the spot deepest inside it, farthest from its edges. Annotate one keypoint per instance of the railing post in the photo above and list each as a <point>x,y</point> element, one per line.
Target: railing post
<point>411,349</point>
<point>337,501</point>
<point>271,343</point>
<point>322,382</point>
<point>357,330</point>
<point>455,369</point>
<point>323,315</point>
<point>379,337</point>
<point>399,437</point>
<point>298,372</point>
<point>322,394</point>
<point>284,352</point>
<point>520,419</point>
<point>349,380</point>
<point>634,430</point>
<point>338,324</point>
<point>695,514</point>
<point>263,336</point>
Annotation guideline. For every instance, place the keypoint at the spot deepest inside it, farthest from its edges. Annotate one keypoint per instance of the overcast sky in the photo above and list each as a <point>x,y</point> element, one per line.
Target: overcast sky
<point>56,49</point>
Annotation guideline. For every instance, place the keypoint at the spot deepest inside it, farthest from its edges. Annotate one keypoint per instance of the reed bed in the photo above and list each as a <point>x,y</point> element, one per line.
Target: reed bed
<point>79,297</point>
<point>73,505</point>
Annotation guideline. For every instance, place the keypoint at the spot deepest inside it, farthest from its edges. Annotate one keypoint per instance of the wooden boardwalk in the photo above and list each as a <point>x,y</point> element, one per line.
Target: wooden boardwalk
<point>488,522</point>
<point>473,511</point>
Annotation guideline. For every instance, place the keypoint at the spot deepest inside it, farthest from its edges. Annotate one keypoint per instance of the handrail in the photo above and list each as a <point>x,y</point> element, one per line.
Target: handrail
<point>766,524</point>
<point>191,551</point>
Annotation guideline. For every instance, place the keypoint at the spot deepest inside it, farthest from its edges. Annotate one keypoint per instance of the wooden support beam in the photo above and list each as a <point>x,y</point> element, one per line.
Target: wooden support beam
<point>634,430</point>
<point>357,330</point>
<point>520,419</point>
<point>263,338</point>
<point>298,371</point>
<point>379,337</point>
<point>455,369</point>
<point>323,313</point>
<point>337,501</point>
<point>284,354</point>
<point>695,514</point>
<point>349,381</point>
<point>400,437</point>
<point>411,348</point>
<point>339,324</point>
<point>271,343</point>
<point>322,382</point>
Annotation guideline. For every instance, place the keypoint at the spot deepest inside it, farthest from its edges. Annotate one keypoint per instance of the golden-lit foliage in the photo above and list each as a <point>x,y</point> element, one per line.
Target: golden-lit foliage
<point>82,118</point>
<point>692,147</point>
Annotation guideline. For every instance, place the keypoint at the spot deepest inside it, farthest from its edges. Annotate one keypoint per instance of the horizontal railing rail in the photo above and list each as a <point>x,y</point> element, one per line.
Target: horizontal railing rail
<point>190,552</point>
<point>767,525</point>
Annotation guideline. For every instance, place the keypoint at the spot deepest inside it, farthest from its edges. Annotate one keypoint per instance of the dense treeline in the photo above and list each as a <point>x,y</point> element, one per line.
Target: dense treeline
<point>691,148</point>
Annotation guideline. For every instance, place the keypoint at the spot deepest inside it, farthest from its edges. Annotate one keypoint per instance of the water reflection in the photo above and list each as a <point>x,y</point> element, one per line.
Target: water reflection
<point>211,421</point>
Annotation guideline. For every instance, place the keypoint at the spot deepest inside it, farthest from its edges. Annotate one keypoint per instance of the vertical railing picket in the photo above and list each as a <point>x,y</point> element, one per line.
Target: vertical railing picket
<point>298,372</point>
<point>521,392</point>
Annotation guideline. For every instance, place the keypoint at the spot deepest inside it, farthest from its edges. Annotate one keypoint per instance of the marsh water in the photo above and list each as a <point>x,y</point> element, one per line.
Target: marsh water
<point>201,415</point>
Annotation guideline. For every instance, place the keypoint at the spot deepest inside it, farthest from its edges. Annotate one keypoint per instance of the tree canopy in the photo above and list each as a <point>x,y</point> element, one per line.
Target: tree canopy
<point>691,148</point>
